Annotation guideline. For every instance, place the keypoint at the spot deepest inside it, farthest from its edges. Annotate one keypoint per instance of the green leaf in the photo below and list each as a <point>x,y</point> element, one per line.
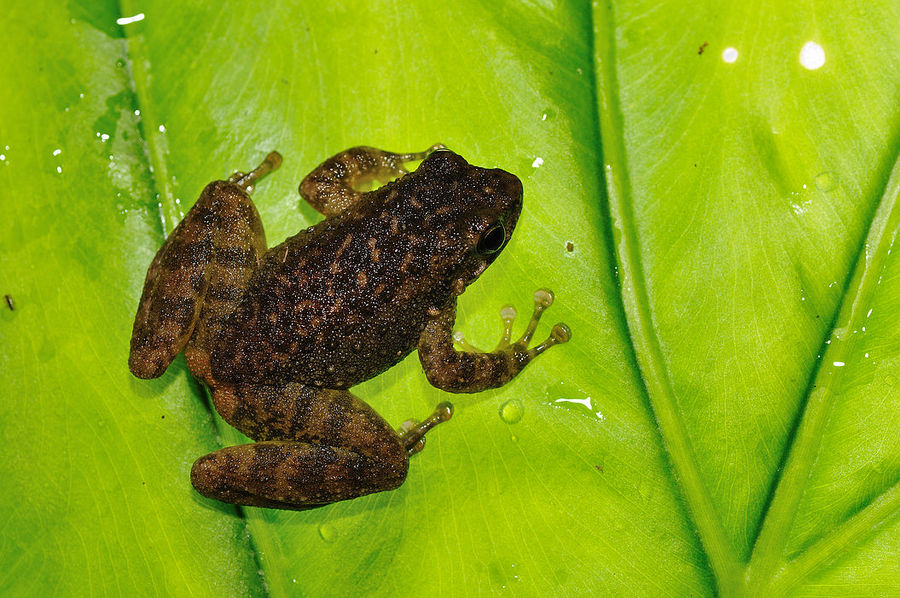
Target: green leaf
<point>717,221</point>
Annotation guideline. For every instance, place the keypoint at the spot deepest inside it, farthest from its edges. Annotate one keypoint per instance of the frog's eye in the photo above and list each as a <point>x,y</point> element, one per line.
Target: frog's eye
<point>492,239</point>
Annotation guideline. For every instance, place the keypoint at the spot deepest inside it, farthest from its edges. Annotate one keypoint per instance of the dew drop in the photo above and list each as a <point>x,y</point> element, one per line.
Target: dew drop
<point>730,55</point>
<point>812,56</point>
<point>327,532</point>
<point>512,411</point>
<point>826,181</point>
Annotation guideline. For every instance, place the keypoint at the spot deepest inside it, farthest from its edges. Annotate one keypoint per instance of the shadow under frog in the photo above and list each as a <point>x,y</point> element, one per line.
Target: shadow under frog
<point>279,335</point>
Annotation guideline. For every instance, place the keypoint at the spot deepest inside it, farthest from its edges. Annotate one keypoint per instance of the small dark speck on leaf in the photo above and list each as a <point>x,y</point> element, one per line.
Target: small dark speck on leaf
<point>376,50</point>
<point>9,302</point>
<point>702,47</point>
<point>163,417</point>
<point>599,468</point>
<point>570,246</point>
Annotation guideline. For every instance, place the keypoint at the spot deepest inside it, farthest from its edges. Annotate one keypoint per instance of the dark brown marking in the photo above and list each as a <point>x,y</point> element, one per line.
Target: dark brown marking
<point>235,257</point>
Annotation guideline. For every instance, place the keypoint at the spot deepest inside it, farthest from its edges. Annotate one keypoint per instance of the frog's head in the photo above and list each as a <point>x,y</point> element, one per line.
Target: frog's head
<point>481,207</point>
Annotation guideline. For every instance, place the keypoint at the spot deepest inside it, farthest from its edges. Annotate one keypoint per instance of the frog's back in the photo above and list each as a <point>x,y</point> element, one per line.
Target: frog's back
<point>342,301</point>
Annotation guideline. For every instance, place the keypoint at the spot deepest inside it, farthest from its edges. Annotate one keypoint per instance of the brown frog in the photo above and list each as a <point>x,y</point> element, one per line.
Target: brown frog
<point>279,335</point>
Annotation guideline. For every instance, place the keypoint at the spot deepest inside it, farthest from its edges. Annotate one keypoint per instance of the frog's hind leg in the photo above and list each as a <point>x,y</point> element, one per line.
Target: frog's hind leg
<point>202,266</point>
<point>334,184</point>
<point>317,446</point>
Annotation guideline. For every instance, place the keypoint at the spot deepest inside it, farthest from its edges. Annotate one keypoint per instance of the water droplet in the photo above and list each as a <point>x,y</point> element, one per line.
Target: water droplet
<point>512,411</point>
<point>569,397</point>
<point>128,20</point>
<point>538,162</point>
<point>327,532</point>
<point>812,56</point>
<point>826,181</point>
<point>730,55</point>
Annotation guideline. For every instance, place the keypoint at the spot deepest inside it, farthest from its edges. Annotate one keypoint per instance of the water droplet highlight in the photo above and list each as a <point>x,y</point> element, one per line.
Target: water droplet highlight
<point>567,396</point>
<point>730,55</point>
<point>812,56</point>
<point>512,411</point>
<point>128,20</point>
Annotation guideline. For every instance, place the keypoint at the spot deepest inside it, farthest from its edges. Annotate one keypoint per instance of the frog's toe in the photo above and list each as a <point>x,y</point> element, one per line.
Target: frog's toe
<point>412,434</point>
<point>543,298</point>
<point>560,333</point>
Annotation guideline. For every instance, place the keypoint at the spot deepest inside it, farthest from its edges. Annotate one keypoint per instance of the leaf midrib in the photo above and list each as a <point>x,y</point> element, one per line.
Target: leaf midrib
<point>657,386</point>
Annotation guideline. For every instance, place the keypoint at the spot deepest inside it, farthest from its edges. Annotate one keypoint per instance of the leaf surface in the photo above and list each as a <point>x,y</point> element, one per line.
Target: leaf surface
<point>717,221</point>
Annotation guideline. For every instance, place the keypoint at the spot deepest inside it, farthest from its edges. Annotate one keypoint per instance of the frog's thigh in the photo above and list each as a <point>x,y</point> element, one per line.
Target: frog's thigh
<point>291,475</point>
<point>318,446</point>
<point>219,239</point>
<point>334,184</point>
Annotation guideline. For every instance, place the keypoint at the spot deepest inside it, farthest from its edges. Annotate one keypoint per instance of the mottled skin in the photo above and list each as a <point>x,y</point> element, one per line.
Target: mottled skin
<point>279,335</point>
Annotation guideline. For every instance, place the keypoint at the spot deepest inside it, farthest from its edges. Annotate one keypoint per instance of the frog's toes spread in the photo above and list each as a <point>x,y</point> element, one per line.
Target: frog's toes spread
<point>560,333</point>
<point>412,433</point>
<point>543,298</point>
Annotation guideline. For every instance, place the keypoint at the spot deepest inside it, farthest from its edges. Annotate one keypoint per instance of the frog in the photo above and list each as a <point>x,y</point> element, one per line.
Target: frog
<point>279,335</point>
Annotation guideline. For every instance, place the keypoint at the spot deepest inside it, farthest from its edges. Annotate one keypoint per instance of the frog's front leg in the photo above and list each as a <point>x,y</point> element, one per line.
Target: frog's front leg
<point>473,370</point>
<point>333,185</point>
<point>318,446</point>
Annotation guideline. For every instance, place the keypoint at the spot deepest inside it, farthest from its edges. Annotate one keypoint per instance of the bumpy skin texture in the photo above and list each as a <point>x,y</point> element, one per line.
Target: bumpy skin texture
<point>278,335</point>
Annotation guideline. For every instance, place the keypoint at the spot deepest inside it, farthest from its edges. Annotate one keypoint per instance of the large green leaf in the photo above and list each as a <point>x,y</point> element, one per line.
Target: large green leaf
<point>716,219</point>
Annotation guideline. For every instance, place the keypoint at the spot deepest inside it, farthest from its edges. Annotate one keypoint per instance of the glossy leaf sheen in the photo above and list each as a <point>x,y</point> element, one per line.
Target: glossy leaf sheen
<point>719,236</point>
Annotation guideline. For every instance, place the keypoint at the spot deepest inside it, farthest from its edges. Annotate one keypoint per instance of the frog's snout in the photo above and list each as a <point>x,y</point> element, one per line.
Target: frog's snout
<point>511,185</point>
